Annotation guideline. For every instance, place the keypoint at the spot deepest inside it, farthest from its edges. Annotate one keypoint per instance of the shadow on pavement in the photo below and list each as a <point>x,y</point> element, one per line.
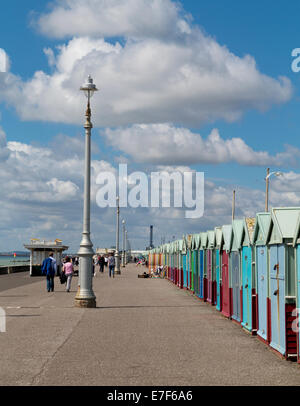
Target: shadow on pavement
<point>13,296</point>
<point>23,315</point>
<point>143,307</point>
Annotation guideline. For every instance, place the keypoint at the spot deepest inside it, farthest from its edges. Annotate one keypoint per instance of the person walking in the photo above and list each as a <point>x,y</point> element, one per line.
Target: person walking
<point>111,264</point>
<point>49,268</point>
<point>105,260</point>
<point>68,270</point>
<point>101,262</point>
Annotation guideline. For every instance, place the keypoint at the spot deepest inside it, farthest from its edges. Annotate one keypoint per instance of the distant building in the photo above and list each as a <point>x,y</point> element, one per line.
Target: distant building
<point>40,249</point>
<point>105,251</point>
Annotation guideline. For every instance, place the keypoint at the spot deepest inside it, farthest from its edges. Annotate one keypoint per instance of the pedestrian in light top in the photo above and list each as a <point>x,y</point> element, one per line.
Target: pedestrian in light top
<point>69,271</point>
<point>111,264</point>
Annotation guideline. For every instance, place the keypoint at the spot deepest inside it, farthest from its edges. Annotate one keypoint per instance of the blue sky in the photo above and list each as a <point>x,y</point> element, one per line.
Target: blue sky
<point>266,30</point>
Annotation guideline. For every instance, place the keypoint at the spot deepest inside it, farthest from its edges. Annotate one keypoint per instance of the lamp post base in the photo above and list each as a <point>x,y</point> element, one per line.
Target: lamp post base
<point>89,303</point>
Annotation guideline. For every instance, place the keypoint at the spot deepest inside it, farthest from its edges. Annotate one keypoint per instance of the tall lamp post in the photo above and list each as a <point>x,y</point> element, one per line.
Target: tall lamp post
<point>268,186</point>
<point>126,257</point>
<point>123,252</point>
<point>117,254</point>
<point>85,296</point>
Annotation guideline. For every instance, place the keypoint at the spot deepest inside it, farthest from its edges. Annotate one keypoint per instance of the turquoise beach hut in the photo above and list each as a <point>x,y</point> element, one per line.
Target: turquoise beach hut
<point>204,249</point>
<point>218,263</point>
<point>248,278</point>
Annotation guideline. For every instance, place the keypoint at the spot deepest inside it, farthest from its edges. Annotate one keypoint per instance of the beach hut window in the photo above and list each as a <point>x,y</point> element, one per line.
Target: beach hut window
<point>291,271</point>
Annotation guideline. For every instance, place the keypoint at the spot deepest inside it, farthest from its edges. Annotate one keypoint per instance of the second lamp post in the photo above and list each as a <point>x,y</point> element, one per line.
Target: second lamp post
<point>117,254</point>
<point>123,251</point>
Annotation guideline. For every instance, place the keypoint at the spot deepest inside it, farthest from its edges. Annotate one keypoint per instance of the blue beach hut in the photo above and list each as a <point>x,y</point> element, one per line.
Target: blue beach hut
<point>282,280</point>
<point>201,262</point>
<point>235,268</point>
<point>260,241</point>
<point>296,243</point>
<point>210,264</point>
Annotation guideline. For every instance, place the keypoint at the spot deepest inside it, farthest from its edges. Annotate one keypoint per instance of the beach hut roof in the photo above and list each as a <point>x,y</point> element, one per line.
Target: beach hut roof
<point>173,247</point>
<point>196,241</point>
<point>249,226</point>
<point>219,235</point>
<point>296,238</point>
<point>184,245</point>
<point>238,229</point>
<point>189,239</point>
<point>283,224</point>
<point>262,228</point>
<point>203,243</point>
<point>227,237</point>
<point>180,245</point>
<point>211,239</point>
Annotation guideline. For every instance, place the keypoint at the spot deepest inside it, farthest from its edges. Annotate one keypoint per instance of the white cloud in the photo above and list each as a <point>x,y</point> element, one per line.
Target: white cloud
<point>134,18</point>
<point>42,194</point>
<point>4,61</point>
<point>4,151</point>
<point>42,190</point>
<point>168,145</point>
<point>189,79</point>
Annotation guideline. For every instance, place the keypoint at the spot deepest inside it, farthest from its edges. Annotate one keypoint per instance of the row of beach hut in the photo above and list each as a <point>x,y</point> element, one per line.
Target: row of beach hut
<point>249,270</point>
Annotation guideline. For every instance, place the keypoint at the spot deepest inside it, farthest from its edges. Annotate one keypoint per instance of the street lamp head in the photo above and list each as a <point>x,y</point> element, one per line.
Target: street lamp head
<point>123,222</point>
<point>89,87</point>
<point>274,173</point>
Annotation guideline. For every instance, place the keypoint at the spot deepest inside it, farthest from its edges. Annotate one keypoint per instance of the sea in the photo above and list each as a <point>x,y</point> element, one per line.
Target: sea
<point>11,261</point>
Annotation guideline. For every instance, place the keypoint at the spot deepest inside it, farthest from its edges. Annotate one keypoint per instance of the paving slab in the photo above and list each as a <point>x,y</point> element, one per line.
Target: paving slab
<point>143,332</point>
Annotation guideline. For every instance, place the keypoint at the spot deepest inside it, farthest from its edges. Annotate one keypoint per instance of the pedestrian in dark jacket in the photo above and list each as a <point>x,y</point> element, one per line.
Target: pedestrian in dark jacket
<point>49,268</point>
<point>101,262</point>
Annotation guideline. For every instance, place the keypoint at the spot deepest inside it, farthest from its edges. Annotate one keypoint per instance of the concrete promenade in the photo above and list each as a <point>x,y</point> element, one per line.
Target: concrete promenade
<point>144,332</point>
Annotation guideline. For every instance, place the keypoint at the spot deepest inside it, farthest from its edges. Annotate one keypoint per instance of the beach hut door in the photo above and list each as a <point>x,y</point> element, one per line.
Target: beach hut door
<point>236,286</point>
<point>247,288</point>
<point>262,286</point>
<point>201,266</point>
<point>277,297</point>
<point>225,286</point>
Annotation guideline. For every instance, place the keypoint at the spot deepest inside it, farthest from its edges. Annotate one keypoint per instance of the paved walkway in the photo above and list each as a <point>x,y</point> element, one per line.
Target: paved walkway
<point>144,332</point>
<point>16,279</point>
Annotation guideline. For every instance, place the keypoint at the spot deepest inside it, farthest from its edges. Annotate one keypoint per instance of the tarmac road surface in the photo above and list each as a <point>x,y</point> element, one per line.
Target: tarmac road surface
<point>15,280</point>
<point>143,332</point>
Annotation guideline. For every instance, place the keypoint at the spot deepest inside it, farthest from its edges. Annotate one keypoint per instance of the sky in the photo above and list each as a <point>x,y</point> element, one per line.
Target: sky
<point>183,86</point>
